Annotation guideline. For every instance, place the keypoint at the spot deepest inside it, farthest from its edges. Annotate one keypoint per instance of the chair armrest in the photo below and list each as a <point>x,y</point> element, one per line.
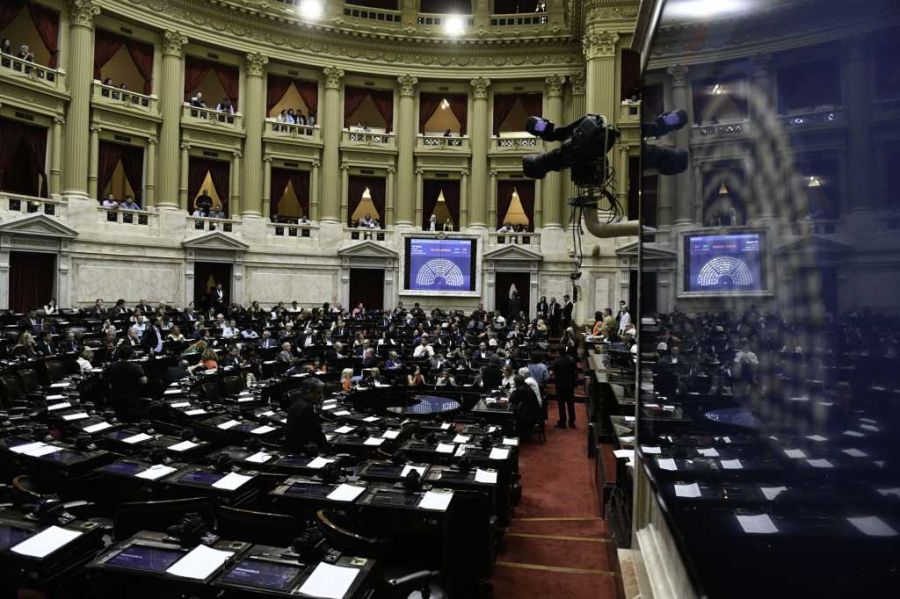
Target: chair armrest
<point>413,580</point>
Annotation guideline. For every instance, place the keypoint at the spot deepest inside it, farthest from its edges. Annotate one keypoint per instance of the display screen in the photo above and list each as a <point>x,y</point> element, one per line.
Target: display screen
<point>123,467</point>
<point>724,263</point>
<point>440,265</point>
<point>201,477</point>
<point>149,559</point>
<point>266,575</point>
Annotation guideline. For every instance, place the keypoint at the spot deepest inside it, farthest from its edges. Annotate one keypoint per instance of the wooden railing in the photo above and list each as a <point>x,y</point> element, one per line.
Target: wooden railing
<point>108,94</point>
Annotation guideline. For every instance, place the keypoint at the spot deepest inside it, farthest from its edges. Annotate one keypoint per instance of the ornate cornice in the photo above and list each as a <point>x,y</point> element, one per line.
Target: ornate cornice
<point>407,85</point>
<point>480,87</point>
<point>256,64</point>
<point>601,44</point>
<point>554,85</point>
<point>678,74</point>
<point>173,43</point>
<point>333,76</point>
<point>82,12</point>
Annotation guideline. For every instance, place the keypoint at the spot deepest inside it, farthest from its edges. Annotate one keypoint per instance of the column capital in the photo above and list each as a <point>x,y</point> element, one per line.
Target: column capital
<point>554,85</point>
<point>600,44</point>
<point>678,74</point>
<point>493,174</point>
<point>185,147</point>
<point>420,172</point>
<point>96,129</point>
<point>391,170</point>
<point>480,87</point>
<point>345,167</point>
<point>333,76</point>
<point>407,84</point>
<point>579,84</point>
<point>152,140</point>
<point>173,43</point>
<point>268,159</point>
<point>82,12</point>
<point>316,164</point>
<point>256,64</point>
<point>237,154</point>
<point>464,172</point>
<point>57,119</point>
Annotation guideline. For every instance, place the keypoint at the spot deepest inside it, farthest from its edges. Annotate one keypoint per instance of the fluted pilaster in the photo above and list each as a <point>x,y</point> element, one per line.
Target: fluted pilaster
<point>331,134</point>
<point>406,195</point>
<point>171,98</point>
<point>254,109</point>
<point>479,134</point>
<point>79,76</point>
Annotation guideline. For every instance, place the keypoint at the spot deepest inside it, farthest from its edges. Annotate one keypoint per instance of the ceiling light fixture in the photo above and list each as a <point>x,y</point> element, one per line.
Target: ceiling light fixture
<point>700,9</point>
<point>445,104</point>
<point>310,10</point>
<point>454,25</point>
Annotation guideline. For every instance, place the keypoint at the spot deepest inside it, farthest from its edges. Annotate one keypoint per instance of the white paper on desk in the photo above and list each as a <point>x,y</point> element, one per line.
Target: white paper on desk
<point>492,428</point>
<point>343,430</point>
<point>259,457</point>
<point>820,463</point>
<point>135,439</point>
<point>869,427</point>
<point>855,453</point>
<point>329,582</point>
<point>623,453</point>
<point>407,469</point>
<point>726,439</point>
<point>196,412</point>
<point>651,449</point>
<point>371,419</point>
<point>96,428</point>
<point>854,434</point>
<point>319,462</point>
<point>436,500</point>
<point>345,492</point>
<point>342,413</point>
<point>330,407</point>
<point>895,491</point>
<point>183,446</point>
<point>629,418</point>
<point>872,526</point>
<point>59,406</point>
<point>446,448</point>
<point>262,430</point>
<point>180,404</point>
<point>172,392</point>
<point>246,399</point>
<point>732,464</point>
<point>231,481</point>
<point>461,439</point>
<point>200,562</point>
<point>54,397</point>
<point>227,425</point>
<point>651,405</point>
<point>666,464</point>
<point>76,416</point>
<point>460,451</point>
<point>628,439</point>
<point>64,385</point>
<point>46,542</point>
<point>42,451</point>
<point>391,434</point>
<point>446,426</point>
<point>818,438</point>
<point>373,441</point>
<point>486,476</point>
<point>499,453</point>
<point>511,441</point>
<point>710,452</point>
<point>796,454</point>
<point>771,493</point>
<point>759,524</point>
<point>27,447</point>
<point>155,472</point>
<point>690,491</point>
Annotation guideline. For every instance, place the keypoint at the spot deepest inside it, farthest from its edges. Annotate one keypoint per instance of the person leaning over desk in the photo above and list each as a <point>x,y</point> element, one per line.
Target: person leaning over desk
<point>304,428</point>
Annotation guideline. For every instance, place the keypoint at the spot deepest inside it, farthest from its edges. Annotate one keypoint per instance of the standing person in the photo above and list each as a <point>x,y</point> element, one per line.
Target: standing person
<point>304,428</point>
<point>624,317</point>
<point>432,223</point>
<point>564,372</point>
<point>125,380</point>
<point>554,316</point>
<point>514,306</point>
<point>568,307</point>
<point>542,308</point>
<point>217,298</point>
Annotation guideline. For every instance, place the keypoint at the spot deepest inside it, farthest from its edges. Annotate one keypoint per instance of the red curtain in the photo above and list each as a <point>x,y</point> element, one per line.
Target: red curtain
<point>309,91</point>
<point>218,170</point>
<point>428,105</point>
<point>276,88</point>
<point>431,189</point>
<point>356,185</point>
<point>110,155</point>
<point>142,55</point>
<point>194,72</point>
<point>459,104</point>
<point>451,195</point>
<point>384,102</point>
<point>533,104</point>
<point>105,47</point>
<point>525,189</point>
<point>46,21</point>
<point>353,98</point>
<point>299,179</point>
<point>503,105</point>
<point>133,165</point>
<point>31,279</point>
<point>132,159</point>
<point>23,158</point>
<point>228,77</point>
<point>9,11</point>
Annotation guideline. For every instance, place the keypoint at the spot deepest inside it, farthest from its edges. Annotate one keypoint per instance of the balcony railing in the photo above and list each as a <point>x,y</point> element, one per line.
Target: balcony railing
<point>372,14</point>
<point>111,95</point>
<point>817,226</point>
<point>364,234</point>
<point>25,205</point>
<point>126,217</point>
<point>206,223</point>
<point>35,72</point>
<point>516,238</point>
<point>274,127</point>
<point>192,114</point>
<point>828,117</point>
<point>437,20</point>
<point>440,142</point>
<point>721,130</point>
<point>519,19</point>
<point>517,142</point>
<point>368,138</point>
<point>294,230</point>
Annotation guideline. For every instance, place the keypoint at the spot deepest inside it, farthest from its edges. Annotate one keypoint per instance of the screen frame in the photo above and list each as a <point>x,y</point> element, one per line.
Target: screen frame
<point>477,260</point>
<point>766,261</point>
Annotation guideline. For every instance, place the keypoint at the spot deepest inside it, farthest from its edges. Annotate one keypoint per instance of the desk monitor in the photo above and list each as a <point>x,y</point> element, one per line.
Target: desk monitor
<point>124,468</point>
<point>725,264</point>
<point>263,574</point>
<point>146,558</point>
<point>200,477</point>
<point>440,266</point>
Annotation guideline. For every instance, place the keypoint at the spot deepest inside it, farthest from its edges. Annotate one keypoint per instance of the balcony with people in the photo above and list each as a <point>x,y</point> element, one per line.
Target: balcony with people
<point>211,95</point>
<point>120,184</point>
<point>510,111</point>
<point>443,120</point>
<point>368,118</point>
<point>289,206</point>
<point>208,189</point>
<point>514,213</point>
<point>123,73</point>
<point>292,108</point>
<point>30,44</point>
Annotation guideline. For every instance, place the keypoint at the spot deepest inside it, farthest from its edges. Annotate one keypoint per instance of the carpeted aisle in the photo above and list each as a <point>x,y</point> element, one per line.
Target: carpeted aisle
<point>557,546</point>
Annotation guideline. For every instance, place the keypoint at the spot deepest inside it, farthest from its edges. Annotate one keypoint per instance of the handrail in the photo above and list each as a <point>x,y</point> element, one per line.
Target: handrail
<point>29,68</point>
<point>368,137</point>
<point>211,115</point>
<point>126,97</point>
<point>278,127</point>
<point>127,216</point>
<point>15,202</point>
<point>211,223</point>
<point>297,230</point>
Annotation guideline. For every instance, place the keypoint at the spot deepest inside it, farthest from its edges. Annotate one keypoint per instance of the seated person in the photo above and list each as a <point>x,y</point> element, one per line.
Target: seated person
<point>175,335</point>
<point>130,204</point>
<point>346,379</point>
<point>110,202</point>
<point>45,345</point>
<point>304,428</point>
<point>25,348</point>
<point>225,105</point>
<point>285,356</point>
<point>416,379</point>
<point>393,362</point>
<point>197,100</point>
<point>445,379</point>
<point>84,361</point>
<point>177,372</point>
<point>204,202</point>
<point>124,381</point>
<point>208,361</point>
<point>6,46</point>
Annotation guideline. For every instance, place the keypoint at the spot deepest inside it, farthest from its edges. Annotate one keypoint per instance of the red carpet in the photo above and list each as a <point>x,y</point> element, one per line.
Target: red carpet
<point>557,546</point>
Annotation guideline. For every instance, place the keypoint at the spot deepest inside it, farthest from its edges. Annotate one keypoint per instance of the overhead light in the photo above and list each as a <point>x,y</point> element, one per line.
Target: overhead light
<point>310,10</point>
<point>717,90</point>
<point>814,182</point>
<point>445,104</point>
<point>454,25</point>
<point>698,9</point>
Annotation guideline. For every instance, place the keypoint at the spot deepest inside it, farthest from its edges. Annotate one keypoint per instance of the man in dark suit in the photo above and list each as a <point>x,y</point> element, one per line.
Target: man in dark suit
<point>266,341</point>
<point>124,380</point>
<point>217,298</point>
<point>492,375</point>
<point>45,345</point>
<point>70,345</point>
<point>554,316</point>
<point>176,373</point>
<point>285,356</point>
<point>525,406</point>
<point>564,373</point>
<point>32,323</point>
<point>152,339</point>
<point>303,425</point>
<point>567,308</point>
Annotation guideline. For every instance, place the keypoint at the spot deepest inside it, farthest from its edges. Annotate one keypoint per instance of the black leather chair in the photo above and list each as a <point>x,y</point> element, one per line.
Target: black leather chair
<point>159,515</point>
<point>265,528</point>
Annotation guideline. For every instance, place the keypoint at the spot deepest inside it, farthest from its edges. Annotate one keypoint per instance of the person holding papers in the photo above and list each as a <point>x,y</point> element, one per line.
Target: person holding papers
<point>304,428</point>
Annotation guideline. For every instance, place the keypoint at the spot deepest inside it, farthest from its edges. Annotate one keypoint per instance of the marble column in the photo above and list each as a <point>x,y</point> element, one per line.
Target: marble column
<point>463,200</point>
<point>236,202</point>
<point>578,83</point>
<point>183,201</point>
<point>80,76</point>
<point>93,162</point>
<point>390,186</point>
<point>254,111</point>
<point>492,201</point>
<point>314,191</point>
<point>478,136</point>
<point>150,174</point>
<point>331,151</point>
<point>267,189</point>
<point>551,186</point>
<point>682,200</point>
<point>419,191</point>
<point>761,107</point>
<point>171,91</point>
<point>600,56</point>
<point>344,190</point>
<point>408,203</point>
<point>56,153</point>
